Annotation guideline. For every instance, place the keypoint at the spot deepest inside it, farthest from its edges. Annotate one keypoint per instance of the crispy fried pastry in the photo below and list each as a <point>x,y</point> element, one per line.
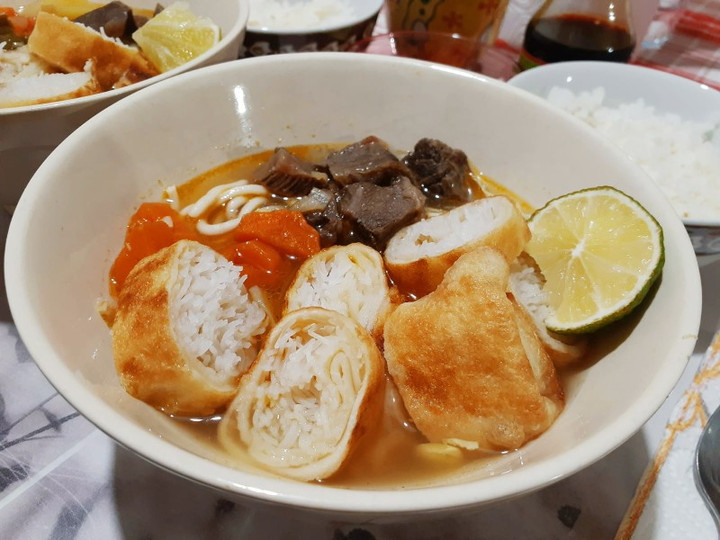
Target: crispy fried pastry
<point>467,361</point>
<point>526,285</point>
<point>314,391</point>
<point>418,256</point>
<point>69,46</point>
<point>349,279</point>
<point>185,330</point>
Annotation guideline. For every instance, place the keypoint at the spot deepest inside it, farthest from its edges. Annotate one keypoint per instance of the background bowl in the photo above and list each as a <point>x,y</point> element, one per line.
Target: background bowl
<point>624,83</point>
<point>449,49</point>
<point>263,38</point>
<point>30,133</point>
<point>71,223</point>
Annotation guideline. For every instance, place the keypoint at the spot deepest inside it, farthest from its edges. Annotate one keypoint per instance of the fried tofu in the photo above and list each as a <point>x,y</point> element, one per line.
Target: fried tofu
<point>69,47</point>
<point>468,363</point>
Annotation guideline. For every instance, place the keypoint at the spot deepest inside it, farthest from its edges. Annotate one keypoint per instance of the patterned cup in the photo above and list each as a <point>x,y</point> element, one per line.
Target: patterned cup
<point>471,19</point>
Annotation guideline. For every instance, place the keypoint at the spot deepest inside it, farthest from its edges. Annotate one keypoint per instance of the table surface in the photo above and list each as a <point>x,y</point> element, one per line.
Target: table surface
<point>62,478</point>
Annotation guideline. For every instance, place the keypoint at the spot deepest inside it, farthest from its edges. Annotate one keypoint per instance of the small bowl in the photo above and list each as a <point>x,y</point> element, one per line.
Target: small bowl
<point>449,49</point>
<point>263,38</point>
<point>31,132</point>
<point>624,83</point>
<point>71,220</point>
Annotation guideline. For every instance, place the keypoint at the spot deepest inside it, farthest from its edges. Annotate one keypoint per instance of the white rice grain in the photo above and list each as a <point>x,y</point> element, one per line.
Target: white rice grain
<point>683,157</point>
<point>291,15</point>
<point>215,320</point>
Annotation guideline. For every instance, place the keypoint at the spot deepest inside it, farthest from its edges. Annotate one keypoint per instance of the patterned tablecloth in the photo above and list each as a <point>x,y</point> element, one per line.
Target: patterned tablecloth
<point>685,41</point>
<point>61,478</point>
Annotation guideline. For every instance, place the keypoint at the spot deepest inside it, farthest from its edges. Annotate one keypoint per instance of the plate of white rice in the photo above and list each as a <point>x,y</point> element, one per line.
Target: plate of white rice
<point>667,124</point>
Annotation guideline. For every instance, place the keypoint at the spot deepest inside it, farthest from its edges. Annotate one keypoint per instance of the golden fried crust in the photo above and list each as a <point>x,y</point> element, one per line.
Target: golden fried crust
<point>563,350</point>
<point>458,360</point>
<point>369,264</point>
<point>237,427</point>
<point>540,360</point>
<point>424,274</point>
<point>148,361</point>
<point>68,46</point>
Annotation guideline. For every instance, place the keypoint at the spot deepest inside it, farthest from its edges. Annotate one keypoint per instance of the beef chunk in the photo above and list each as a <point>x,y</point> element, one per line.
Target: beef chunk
<point>377,212</point>
<point>366,161</point>
<point>289,176</point>
<point>329,224</point>
<point>441,172</point>
<point>115,19</point>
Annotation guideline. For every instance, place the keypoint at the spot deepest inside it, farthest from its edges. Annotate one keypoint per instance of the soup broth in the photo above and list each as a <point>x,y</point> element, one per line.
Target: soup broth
<point>396,452</point>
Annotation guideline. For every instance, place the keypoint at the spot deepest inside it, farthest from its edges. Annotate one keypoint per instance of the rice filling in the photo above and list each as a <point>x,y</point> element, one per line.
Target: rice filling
<point>214,318</point>
<point>344,284</point>
<point>305,399</point>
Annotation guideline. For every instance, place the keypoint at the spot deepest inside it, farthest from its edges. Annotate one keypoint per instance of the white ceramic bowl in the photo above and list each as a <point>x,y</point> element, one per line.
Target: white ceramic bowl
<point>624,83</point>
<point>69,226</point>
<point>30,133</point>
<point>263,38</point>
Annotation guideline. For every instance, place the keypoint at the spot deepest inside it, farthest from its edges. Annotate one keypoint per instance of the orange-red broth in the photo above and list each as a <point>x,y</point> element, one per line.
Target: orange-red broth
<point>391,456</point>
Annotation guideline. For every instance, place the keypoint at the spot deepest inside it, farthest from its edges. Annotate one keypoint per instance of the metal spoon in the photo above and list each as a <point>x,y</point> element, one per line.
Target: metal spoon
<point>707,466</point>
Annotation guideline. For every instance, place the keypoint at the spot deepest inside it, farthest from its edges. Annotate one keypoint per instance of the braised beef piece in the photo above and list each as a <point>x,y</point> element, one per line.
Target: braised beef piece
<point>377,212</point>
<point>329,223</point>
<point>441,172</point>
<point>366,161</point>
<point>287,175</point>
<point>115,19</point>
<point>142,19</point>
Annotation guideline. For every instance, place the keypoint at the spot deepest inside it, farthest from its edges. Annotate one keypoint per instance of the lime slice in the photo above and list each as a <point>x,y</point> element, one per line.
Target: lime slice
<point>600,251</point>
<point>175,36</point>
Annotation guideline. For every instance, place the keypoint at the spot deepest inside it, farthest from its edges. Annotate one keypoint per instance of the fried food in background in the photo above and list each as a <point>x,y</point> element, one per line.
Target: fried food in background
<point>69,47</point>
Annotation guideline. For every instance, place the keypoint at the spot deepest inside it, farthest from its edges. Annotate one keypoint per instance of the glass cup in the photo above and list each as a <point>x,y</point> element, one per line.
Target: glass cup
<point>475,19</point>
<point>449,49</point>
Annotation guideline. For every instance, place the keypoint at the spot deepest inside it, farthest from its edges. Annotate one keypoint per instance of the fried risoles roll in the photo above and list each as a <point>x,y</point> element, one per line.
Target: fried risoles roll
<point>315,389</point>
<point>467,361</point>
<point>348,279</point>
<point>185,330</point>
<point>526,285</point>
<point>418,256</point>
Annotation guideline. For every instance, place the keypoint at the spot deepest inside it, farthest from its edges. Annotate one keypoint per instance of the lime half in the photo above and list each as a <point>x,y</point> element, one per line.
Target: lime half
<point>600,251</point>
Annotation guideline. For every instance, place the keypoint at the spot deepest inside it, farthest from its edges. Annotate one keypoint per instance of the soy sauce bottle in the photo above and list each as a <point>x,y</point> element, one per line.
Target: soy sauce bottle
<point>563,30</point>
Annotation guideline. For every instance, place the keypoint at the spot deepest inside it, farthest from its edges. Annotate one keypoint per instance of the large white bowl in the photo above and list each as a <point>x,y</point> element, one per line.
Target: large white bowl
<point>626,83</point>
<point>28,134</point>
<point>70,223</point>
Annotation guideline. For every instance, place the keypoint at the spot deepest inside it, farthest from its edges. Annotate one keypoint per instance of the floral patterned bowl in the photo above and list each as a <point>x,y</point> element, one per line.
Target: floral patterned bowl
<point>263,38</point>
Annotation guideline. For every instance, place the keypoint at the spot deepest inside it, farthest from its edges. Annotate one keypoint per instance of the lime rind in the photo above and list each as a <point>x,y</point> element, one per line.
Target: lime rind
<point>601,265</point>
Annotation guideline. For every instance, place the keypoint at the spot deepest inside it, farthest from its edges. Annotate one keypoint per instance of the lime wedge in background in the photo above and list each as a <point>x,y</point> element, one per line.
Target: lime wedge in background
<point>175,36</point>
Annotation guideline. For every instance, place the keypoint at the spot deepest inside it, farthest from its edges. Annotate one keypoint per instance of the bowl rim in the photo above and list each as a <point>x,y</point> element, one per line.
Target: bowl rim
<point>371,10</point>
<point>285,491</point>
<point>617,70</point>
<point>237,28</point>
